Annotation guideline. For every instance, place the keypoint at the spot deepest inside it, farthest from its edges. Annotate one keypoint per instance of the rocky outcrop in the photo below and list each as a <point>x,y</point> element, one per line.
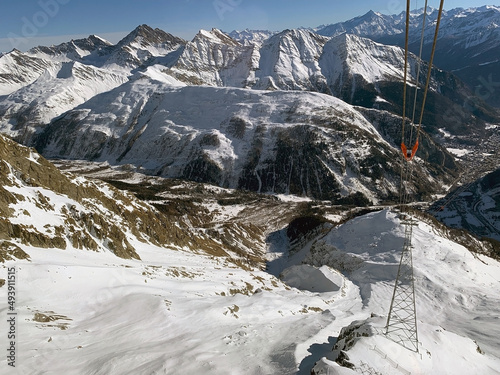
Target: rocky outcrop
<point>94,216</point>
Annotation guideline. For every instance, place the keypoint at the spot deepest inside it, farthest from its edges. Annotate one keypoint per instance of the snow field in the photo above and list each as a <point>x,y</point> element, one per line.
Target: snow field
<point>177,311</point>
<point>456,295</point>
<point>172,311</point>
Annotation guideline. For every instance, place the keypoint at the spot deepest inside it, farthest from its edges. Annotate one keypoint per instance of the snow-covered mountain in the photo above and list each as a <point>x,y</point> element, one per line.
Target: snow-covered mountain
<point>18,70</point>
<point>355,69</point>
<point>289,61</point>
<point>286,61</point>
<point>469,27</point>
<point>45,82</point>
<point>468,42</point>
<point>369,25</point>
<point>292,142</point>
<point>111,101</point>
<point>139,46</point>
<point>213,58</point>
<point>74,50</point>
<point>56,91</point>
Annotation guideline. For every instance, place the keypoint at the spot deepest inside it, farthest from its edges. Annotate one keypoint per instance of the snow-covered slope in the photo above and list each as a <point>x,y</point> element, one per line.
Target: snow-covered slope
<point>280,142</point>
<point>18,70</point>
<point>455,295</point>
<point>289,61</point>
<point>23,112</point>
<point>214,58</point>
<point>179,310</point>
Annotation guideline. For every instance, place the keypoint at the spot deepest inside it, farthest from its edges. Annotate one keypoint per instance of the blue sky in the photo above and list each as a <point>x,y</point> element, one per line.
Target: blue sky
<point>27,23</point>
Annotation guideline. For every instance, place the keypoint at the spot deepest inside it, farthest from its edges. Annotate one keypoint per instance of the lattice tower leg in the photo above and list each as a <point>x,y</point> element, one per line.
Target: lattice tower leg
<point>402,320</point>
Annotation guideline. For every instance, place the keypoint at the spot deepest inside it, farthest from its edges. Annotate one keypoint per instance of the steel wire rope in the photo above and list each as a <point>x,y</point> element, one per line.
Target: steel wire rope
<point>433,51</point>
<point>419,63</point>
<point>404,197</point>
<point>405,77</point>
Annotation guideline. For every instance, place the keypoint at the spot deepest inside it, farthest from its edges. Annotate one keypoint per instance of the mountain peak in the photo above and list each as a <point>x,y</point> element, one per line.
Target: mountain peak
<point>247,36</point>
<point>146,35</point>
<point>142,30</point>
<point>14,51</point>
<point>74,49</point>
<point>494,7</point>
<point>97,39</point>
<point>369,16</point>
<point>300,34</point>
<point>295,32</point>
<point>216,36</point>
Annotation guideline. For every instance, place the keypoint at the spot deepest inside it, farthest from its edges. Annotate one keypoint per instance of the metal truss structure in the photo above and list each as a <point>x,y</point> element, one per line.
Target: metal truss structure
<point>402,320</point>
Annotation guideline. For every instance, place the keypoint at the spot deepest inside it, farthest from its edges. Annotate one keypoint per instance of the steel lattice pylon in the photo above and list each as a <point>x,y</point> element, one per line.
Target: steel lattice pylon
<point>402,320</point>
